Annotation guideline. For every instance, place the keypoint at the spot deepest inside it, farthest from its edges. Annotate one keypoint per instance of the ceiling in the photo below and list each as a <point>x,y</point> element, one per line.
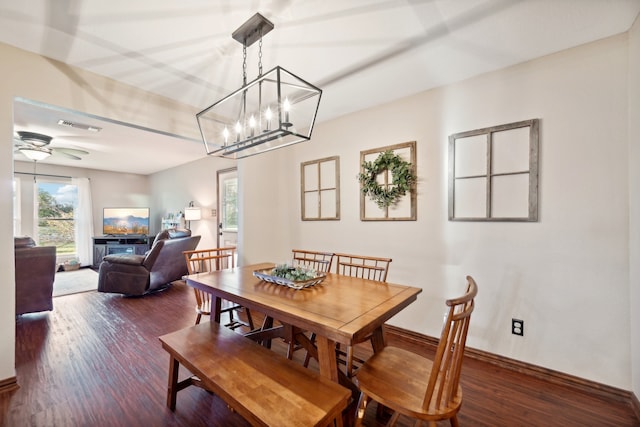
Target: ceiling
<point>362,53</point>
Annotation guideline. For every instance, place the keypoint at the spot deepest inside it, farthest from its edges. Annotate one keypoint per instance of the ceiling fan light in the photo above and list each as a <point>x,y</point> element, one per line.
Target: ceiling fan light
<point>35,154</point>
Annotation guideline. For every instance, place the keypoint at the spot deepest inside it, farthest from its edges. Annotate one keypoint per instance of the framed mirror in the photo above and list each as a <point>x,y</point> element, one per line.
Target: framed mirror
<point>493,173</point>
<point>320,189</point>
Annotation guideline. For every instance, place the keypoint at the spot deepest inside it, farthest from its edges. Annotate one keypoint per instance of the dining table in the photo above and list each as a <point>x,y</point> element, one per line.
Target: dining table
<point>340,309</point>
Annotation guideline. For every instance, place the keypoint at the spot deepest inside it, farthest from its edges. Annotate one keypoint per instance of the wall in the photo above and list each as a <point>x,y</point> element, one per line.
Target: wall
<point>566,275</point>
<point>44,80</point>
<point>173,189</point>
<point>634,200</point>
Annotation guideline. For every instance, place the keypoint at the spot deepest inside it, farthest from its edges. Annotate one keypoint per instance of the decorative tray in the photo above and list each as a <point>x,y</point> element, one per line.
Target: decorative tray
<point>267,276</point>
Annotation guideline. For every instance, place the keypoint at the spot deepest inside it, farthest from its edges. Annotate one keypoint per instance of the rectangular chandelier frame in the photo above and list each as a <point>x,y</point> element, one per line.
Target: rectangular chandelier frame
<point>275,110</point>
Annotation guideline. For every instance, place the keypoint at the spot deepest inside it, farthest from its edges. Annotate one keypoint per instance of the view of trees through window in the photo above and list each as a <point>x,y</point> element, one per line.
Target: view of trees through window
<point>55,216</point>
<point>230,204</point>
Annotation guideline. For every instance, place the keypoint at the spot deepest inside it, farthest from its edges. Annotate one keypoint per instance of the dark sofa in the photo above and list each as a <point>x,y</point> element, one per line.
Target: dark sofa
<point>35,274</point>
<point>136,275</point>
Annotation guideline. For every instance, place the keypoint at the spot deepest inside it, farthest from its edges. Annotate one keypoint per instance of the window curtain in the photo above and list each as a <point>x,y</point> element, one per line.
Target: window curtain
<point>83,218</point>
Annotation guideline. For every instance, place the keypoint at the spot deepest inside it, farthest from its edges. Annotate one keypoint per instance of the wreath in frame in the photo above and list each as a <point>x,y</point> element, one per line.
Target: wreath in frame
<point>402,181</point>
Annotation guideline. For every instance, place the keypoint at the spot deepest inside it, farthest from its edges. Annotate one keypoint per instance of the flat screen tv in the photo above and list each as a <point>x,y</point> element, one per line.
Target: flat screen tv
<point>124,221</point>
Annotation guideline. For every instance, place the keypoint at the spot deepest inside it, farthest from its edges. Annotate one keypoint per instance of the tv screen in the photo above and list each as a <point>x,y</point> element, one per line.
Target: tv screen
<point>121,221</point>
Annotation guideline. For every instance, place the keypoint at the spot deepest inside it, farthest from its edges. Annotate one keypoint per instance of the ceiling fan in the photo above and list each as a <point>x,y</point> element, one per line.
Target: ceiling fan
<point>35,146</point>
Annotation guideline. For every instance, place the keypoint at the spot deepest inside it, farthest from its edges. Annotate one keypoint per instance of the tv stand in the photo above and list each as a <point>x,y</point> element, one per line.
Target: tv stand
<point>119,244</point>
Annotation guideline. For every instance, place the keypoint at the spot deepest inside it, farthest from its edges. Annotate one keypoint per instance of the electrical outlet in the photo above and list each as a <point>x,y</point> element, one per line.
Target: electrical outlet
<point>517,327</point>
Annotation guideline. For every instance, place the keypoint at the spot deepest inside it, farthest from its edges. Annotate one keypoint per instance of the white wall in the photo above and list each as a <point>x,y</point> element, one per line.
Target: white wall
<point>566,275</point>
<point>634,199</point>
<point>173,189</point>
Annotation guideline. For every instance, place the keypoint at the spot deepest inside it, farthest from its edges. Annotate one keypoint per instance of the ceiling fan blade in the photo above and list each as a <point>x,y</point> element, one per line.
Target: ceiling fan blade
<point>71,151</point>
<point>65,154</point>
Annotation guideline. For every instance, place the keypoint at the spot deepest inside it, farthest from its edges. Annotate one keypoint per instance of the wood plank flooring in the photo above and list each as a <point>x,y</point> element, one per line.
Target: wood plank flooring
<point>96,361</point>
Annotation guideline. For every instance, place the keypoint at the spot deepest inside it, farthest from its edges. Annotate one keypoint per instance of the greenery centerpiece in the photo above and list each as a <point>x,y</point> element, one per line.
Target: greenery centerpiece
<point>293,276</point>
<point>403,178</point>
<point>294,273</point>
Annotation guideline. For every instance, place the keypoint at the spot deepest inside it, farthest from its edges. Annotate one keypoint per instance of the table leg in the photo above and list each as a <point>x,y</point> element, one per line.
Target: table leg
<point>377,340</point>
<point>216,310</point>
<point>327,358</point>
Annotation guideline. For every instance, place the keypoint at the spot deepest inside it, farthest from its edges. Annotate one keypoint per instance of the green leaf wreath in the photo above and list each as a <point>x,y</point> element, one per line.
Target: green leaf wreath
<point>401,171</point>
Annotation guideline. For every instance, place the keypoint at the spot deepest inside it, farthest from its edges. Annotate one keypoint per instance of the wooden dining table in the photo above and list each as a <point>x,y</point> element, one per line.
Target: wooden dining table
<point>340,309</point>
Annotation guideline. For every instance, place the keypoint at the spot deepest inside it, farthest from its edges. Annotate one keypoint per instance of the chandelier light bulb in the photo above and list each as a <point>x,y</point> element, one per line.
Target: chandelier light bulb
<point>225,133</point>
<point>268,115</point>
<point>252,124</point>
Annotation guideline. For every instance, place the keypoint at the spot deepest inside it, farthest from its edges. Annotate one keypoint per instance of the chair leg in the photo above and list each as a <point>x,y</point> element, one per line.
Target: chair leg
<point>362,408</point>
<point>349,361</point>
<point>454,421</point>
<point>198,317</point>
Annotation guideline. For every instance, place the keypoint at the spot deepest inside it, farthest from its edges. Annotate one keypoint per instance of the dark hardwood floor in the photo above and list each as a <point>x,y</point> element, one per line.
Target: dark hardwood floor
<point>96,361</point>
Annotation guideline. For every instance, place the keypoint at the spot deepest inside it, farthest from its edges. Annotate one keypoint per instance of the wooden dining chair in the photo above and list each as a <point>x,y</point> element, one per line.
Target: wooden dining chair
<point>367,267</point>
<point>205,260</point>
<point>415,386</point>
<point>319,261</point>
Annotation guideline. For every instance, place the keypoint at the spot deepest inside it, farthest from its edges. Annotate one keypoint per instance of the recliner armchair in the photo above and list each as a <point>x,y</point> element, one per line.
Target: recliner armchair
<point>135,275</point>
<point>35,274</point>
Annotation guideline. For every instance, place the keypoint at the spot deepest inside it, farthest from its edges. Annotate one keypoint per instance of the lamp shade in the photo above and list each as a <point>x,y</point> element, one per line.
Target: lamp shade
<point>192,214</point>
<point>275,110</point>
<point>39,153</point>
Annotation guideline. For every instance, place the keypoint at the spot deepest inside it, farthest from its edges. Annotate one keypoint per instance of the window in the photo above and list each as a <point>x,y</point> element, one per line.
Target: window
<point>230,204</point>
<point>56,225</point>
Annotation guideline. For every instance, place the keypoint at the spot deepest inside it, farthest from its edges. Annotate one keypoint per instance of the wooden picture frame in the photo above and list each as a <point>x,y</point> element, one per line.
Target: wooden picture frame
<point>320,189</point>
<point>493,173</point>
<point>405,208</point>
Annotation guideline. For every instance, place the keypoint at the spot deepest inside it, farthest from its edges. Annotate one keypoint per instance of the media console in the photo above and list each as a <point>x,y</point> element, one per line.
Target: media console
<point>127,244</point>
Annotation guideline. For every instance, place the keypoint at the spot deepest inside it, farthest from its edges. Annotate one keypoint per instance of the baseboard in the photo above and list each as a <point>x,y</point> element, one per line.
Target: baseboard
<point>549,375</point>
<point>635,404</point>
<point>9,384</point>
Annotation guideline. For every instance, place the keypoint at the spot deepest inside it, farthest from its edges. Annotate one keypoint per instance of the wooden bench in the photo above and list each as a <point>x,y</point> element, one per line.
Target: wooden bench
<point>262,386</point>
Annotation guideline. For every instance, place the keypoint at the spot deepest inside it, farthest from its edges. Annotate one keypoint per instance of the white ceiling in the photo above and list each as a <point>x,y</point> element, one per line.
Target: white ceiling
<point>360,52</point>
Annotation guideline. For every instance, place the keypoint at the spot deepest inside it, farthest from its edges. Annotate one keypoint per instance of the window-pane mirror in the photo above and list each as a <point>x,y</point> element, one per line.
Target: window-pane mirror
<point>493,173</point>
<point>320,189</point>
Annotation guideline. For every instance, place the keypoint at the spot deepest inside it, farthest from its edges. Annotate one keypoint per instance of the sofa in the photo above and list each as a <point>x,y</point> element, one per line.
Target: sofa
<point>137,275</point>
<point>34,276</point>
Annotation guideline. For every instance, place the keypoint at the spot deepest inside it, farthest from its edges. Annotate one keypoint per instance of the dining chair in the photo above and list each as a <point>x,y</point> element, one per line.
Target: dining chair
<point>205,260</point>
<point>415,386</point>
<point>319,261</point>
<point>367,267</point>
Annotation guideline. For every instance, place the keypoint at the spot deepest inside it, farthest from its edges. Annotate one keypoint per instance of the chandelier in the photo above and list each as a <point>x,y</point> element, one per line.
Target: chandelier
<point>275,110</point>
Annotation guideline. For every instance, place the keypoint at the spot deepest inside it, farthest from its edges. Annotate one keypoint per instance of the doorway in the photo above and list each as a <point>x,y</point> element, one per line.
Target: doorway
<point>227,207</point>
